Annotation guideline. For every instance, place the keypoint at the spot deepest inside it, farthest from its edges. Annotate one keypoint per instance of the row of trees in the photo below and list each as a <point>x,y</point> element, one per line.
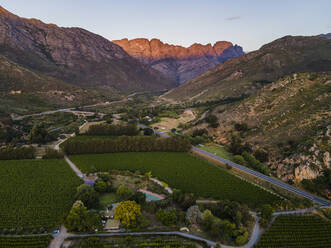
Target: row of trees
<point>113,130</point>
<point>249,160</point>
<point>15,153</point>
<point>127,144</point>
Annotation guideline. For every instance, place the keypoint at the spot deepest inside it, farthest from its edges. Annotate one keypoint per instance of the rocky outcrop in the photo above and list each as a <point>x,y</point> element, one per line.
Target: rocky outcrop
<point>74,55</point>
<point>178,63</point>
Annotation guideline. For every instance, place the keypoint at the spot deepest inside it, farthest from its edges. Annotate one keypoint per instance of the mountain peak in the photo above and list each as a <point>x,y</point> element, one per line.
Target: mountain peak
<point>176,62</point>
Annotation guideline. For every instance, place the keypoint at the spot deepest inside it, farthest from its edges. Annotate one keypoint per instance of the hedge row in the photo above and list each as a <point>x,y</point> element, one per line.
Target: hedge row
<point>15,153</point>
<point>127,144</point>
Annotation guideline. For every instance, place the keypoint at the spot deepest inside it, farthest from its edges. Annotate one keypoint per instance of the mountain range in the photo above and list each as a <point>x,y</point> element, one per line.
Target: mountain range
<point>74,55</point>
<point>245,75</point>
<point>179,64</point>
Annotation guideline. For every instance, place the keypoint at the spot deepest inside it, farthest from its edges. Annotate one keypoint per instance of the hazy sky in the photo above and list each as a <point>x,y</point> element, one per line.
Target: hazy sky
<point>249,23</point>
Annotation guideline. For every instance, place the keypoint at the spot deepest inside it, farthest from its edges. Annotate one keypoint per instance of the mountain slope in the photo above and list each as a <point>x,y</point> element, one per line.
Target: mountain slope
<point>248,73</point>
<point>326,35</point>
<point>177,63</point>
<point>25,91</point>
<point>289,119</point>
<point>74,55</point>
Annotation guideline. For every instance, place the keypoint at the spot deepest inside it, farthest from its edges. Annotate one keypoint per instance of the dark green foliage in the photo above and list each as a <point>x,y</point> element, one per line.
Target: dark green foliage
<point>320,184</point>
<point>38,194</point>
<point>25,242</point>
<point>253,163</point>
<point>181,171</point>
<point>184,200</point>
<point>297,231</point>
<point>40,135</point>
<point>15,153</point>
<point>237,146</point>
<point>212,121</point>
<point>127,144</point>
<point>266,214</point>
<point>199,132</point>
<point>239,160</point>
<point>167,217</point>
<point>52,154</point>
<point>233,211</point>
<point>241,127</point>
<point>112,130</point>
<point>100,186</point>
<point>262,156</point>
<point>87,195</point>
<point>82,220</point>
<point>148,131</point>
<point>138,197</point>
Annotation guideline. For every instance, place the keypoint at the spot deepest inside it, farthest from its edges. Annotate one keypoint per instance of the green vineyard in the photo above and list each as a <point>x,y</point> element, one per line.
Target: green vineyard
<point>135,242</point>
<point>25,242</point>
<point>181,171</point>
<point>38,193</point>
<point>297,231</point>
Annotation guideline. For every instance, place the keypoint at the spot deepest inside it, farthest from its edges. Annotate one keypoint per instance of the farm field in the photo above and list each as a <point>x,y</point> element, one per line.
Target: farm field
<point>135,242</point>
<point>217,150</point>
<point>182,171</point>
<point>297,231</point>
<point>25,242</point>
<point>38,193</point>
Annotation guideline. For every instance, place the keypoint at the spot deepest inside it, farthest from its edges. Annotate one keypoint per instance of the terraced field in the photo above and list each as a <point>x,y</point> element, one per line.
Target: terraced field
<point>182,171</point>
<point>38,193</point>
<point>297,231</point>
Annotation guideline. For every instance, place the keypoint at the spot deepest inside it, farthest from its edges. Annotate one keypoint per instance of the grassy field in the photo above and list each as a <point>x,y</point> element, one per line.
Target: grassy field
<point>297,231</point>
<point>106,199</point>
<point>36,195</point>
<point>25,242</point>
<point>182,171</point>
<point>217,150</point>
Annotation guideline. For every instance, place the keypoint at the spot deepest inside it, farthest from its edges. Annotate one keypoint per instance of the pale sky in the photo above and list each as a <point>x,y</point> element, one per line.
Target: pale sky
<point>248,23</point>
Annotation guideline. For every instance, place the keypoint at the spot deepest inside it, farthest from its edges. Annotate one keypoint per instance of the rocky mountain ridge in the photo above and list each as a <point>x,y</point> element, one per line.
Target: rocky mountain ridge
<point>247,74</point>
<point>74,55</point>
<point>178,63</point>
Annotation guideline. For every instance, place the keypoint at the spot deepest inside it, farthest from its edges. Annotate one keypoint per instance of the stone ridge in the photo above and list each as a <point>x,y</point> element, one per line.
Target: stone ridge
<point>178,63</point>
<point>156,49</point>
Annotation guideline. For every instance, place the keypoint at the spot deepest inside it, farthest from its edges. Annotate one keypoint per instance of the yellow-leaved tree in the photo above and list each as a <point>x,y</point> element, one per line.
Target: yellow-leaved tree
<point>127,212</point>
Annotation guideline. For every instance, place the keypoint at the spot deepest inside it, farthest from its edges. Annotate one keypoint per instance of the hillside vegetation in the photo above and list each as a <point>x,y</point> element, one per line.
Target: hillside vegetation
<point>289,119</point>
<point>26,91</point>
<point>246,74</point>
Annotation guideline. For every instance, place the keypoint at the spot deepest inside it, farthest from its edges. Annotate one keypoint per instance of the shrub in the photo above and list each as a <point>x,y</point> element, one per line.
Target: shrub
<point>168,218</point>
<point>124,192</point>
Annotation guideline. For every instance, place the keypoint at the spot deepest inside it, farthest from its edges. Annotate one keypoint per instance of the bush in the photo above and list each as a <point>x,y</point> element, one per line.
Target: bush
<point>87,195</point>
<point>52,154</point>
<point>124,192</point>
<point>100,186</point>
<point>241,127</point>
<point>168,218</point>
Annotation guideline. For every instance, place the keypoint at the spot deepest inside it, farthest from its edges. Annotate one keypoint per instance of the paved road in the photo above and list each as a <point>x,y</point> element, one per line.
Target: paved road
<point>266,178</point>
<point>256,174</point>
